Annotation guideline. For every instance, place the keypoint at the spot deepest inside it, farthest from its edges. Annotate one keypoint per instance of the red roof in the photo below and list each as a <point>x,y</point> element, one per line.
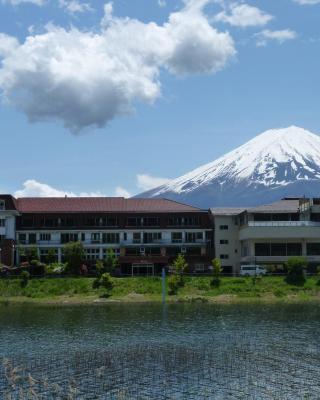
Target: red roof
<point>99,204</point>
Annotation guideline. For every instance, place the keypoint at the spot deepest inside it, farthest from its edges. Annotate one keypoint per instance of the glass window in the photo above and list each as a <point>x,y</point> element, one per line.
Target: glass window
<point>2,222</point>
<point>224,227</point>
<point>278,249</point>
<point>136,237</point>
<point>150,237</point>
<point>2,205</point>
<point>176,237</point>
<point>294,249</point>
<point>262,249</point>
<point>313,249</point>
<point>224,256</point>
<point>44,237</point>
<point>224,241</point>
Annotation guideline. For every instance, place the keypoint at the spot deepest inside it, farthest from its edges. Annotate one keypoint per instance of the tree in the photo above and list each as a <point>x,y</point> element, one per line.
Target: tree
<point>216,272</point>
<point>74,256</point>
<point>173,284</point>
<point>51,256</point>
<point>180,265</point>
<point>296,270</point>
<point>111,261</point>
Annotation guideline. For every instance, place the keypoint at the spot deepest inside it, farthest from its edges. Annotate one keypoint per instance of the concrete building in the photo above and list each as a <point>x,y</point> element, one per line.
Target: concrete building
<point>268,235</point>
<point>145,234</point>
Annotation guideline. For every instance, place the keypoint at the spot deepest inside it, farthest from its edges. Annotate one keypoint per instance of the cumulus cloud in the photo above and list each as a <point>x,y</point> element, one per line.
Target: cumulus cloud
<point>18,2</point>
<point>75,6</point>
<point>122,192</point>
<point>243,15</point>
<point>280,36</point>
<point>86,79</point>
<point>307,2</point>
<point>147,182</point>
<point>33,188</point>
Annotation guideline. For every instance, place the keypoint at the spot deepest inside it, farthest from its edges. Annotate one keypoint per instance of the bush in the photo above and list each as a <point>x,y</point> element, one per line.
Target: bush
<point>296,270</point>
<point>55,268</point>
<point>216,272</point>
<point>106,281</point>
<point>173,284</point>
<point>24,276</point>
<point>179,266</point>
<point>74,256</point>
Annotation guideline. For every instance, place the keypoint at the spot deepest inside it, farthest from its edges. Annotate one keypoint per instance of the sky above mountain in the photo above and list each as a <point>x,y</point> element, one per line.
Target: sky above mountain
<point>117,98</point>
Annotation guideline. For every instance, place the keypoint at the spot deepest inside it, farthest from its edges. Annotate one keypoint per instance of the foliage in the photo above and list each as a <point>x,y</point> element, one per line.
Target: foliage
<point>216,272</point>
<point>74,256</point>
<point>24,276</point>
<point>173,284</point>
<point>55,268</point>
<point>30,253</point>
<point>111,261</point>
<point>318,274</point>
<point>100,267</point>
<point>106,281</point>
<point>179,266</point>
<point>51,256</point>
<point>296,270</point>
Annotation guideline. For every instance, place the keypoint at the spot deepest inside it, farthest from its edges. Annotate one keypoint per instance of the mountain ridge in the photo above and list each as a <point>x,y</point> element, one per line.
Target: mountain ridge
<point>277,163</point>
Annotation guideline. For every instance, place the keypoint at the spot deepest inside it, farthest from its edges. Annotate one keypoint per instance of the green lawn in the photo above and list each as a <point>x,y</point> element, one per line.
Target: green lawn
<point>149,289</point>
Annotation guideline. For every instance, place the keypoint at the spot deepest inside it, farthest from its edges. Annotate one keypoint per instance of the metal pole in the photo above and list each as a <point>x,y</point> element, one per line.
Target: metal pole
<point>163,285</point>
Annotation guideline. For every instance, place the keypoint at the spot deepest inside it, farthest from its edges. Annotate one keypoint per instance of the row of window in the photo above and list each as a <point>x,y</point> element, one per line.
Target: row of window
<point>146,237</point>
<point>110,221</point>
<point>285,249</point>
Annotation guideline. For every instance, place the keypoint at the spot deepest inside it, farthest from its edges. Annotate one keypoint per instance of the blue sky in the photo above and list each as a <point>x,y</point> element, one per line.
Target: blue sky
<point>203,78</point>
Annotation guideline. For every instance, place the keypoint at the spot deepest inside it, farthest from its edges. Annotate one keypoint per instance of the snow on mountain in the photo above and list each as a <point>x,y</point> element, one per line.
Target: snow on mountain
<point>276,163</point>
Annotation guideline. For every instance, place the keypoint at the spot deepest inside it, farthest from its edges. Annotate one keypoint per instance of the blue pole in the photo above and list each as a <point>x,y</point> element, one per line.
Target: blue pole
<point>163,285</point>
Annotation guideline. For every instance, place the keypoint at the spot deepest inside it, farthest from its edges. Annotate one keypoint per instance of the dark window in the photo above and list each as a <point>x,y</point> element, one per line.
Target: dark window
<point>192,237</point>
<point>151,221</point>
<point>224,227</point>
<point>22,238</point>
<point>69,237</point>
<point>136,237</point>
<point>176,237</point>
<point>125,236</point>
<point>153,251</point>
<point>224,241</point>
<point>83,237</point>
<point>262,249</point>
<point>173,251</point>
<point>27,222</point>
<point>278,249</point>
<point>150,237</point>
<point>175,221</point>
<point>134,221</point>
<point>110,237</point>
<point>313,249</point>
<point>294,249</point>
<point>193,251</point>
<point>2,222</point>
<point>132,251</point>
<point>224,256</point>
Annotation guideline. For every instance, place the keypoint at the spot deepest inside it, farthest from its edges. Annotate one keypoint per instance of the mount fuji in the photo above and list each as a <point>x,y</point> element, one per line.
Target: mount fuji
<point>275,164</point>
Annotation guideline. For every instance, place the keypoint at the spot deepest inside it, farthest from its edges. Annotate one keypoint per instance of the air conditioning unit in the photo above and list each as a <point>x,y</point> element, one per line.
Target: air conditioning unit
<point>142,250</point>
<point>183,250</point>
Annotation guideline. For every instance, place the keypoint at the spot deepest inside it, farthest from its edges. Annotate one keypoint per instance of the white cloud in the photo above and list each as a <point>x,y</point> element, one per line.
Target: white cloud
<point>122,192</point>
<point>86,79</point>
<point>147,182</point>
<point>162,3</point>
<point>18,2</point>
<point>33,188</point>
<point>280,36</point>
<point>243,15</point>
<point>307,2</point>
<point>75,6</point>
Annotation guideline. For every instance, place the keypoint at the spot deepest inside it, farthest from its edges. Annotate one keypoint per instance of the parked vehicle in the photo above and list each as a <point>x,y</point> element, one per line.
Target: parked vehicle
<point>251,270</point>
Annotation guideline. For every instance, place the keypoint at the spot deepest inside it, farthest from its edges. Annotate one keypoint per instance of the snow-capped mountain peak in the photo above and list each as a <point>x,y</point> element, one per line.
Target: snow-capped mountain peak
<point>275,158</point>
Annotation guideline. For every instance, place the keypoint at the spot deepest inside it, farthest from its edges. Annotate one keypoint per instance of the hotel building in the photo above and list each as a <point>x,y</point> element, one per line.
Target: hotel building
<point>145,234</point>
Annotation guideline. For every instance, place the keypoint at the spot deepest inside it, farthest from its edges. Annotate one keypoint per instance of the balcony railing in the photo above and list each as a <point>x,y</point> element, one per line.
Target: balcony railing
<point>282,223</point>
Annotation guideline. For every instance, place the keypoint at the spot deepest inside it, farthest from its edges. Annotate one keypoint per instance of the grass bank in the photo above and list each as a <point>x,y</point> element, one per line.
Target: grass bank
<point>232,289</point>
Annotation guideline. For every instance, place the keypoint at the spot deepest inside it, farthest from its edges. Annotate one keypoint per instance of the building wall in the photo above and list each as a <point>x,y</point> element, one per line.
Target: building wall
<point>232,248</point>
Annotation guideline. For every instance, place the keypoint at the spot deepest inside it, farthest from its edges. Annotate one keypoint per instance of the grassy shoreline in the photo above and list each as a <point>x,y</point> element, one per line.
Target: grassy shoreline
<point>72,291</point>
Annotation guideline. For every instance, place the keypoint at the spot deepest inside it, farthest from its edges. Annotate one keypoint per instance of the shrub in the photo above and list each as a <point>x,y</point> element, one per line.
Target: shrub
<point>296,270</point>
<point>173,284</point>
<point>179,267</point>
<point>111,261</point>
<point>74,255</point>
<point>24,276</point>
<point>107,281</point>
<point>216,272</point>
<point>55,268</point>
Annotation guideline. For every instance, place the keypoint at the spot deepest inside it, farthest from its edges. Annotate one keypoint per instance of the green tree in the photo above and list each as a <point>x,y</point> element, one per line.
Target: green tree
<point>216,272</point>
<point>173,284</point>
<point>74,256</point>
<point>318,275</point>
<point>179,266</point>
<point>32,254</point>
<point>24,276</point>
<point>51,256</point>
<point>296,270</point>
<point>111,261</point>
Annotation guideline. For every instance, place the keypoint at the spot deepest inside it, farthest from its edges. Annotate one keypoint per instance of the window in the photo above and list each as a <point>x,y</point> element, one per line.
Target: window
<point>83,237</point>
<point>92,254</point>
<point>32,238</point>
<point>224,227</point>
<point>153,251</point>
<point>95,237</point>
<point>27,222</point>
<point>2,237</point>
<point>69,237</point>
<point>22,238</point>
<point>110,238</point>
<point>45,237</point>
<point>136,237</point>
<point>294,249</point>
<point>176,237</point>
<point>134,221</point>
<point>192,237</point>
<point>125,236</point>
<point>224,241</point>
<point>199,267</point>
<point>175,221</point>
<point>262,249</point>
<point>151,237</point>
<point>2,222</point>
<point>133,251</point>
<point>116,252</point>
<point>193,251</point>
<point>151,221</point>
<point>224,256</point>
<point>50,222</point>
<point>2,205</point>
<point>313,249</point>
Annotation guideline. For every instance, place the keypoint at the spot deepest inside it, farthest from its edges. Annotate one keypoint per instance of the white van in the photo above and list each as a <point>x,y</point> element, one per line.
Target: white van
<point>251,270</point>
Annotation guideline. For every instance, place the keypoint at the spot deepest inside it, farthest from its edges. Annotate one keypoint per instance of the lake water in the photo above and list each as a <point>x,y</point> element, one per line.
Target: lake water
<point>183,351</point>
